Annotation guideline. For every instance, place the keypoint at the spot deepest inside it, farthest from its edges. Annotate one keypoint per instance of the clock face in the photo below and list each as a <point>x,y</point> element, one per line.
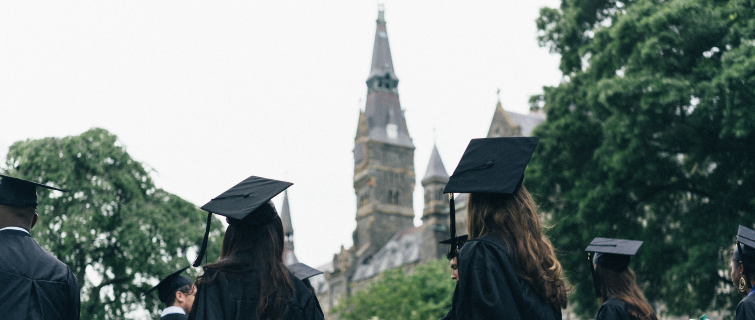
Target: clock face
<point>391,130</point>
<point>382,34</point>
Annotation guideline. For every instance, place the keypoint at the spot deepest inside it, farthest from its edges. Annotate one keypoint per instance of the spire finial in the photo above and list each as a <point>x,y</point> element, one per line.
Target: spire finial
<point>381,13</point>
<point>498,93</point>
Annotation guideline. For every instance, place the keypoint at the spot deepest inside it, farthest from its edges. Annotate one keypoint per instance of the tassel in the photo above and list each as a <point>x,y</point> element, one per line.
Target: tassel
<point>198,260</point>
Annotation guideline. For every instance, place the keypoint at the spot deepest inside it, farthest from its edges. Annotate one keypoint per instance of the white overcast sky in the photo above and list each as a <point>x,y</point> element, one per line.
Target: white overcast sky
<point>207,94</point>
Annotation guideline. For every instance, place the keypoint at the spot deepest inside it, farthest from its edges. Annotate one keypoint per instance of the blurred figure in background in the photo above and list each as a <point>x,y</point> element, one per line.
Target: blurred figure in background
<point>177,293</point>
<point>743,272</point>
<point>614,282</point>
<point>453,254</point>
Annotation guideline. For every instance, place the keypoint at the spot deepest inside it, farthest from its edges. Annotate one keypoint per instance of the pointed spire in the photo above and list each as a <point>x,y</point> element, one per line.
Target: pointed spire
<point>288,229</point>
<point>383,114</point>
<point>435,169</point>
<point>382,63</point>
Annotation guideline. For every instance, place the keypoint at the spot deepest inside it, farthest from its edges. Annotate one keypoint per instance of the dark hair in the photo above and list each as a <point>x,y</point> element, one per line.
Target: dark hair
<point>514,218</point>
<point>621,285</point>
<point>248,249</point>
<point>172,298</point>
<point>746,258</point>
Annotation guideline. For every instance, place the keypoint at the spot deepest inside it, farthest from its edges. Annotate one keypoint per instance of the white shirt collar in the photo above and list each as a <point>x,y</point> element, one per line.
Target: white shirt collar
<point>16,228</point>
<point>172,309</point>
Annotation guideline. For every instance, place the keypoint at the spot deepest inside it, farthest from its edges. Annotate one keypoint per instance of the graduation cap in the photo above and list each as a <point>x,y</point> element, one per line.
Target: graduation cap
<point>168,286</point>
<point>489,165</point>
<point>611,254</point>
<point>453,251</point>
<point>303,271</point>
<point>20,192</point>
<point>246,203</point>
<point>746,236</point>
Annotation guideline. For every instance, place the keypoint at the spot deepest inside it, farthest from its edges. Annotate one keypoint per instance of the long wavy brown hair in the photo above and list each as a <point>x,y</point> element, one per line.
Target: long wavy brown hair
<point>514,218</point>
<point>621,285</point>
<point>256,249</point>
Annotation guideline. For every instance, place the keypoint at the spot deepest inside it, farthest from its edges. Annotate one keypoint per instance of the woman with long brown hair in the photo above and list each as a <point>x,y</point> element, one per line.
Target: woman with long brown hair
<point>743,272</point>
<point>508,268</point>
<point>250,280</point>
<point>614,282</point>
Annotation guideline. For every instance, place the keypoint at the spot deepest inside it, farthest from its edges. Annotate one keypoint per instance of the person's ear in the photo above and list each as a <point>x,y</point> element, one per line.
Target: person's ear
<point>34,220</point>
<point>180,297</point>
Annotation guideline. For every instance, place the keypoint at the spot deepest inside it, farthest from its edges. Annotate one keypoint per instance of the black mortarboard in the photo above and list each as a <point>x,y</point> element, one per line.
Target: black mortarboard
<point>746,237</point>
<point>20,192</point>
<point>170,284</point>
<point>248,202</point>
<point>490,165</point>
<point>303,271</point>
<point>453,250</point>
<point>613,254</point>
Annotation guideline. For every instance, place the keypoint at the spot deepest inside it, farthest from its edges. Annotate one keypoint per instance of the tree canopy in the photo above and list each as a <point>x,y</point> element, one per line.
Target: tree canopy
<point>114,228</point>
<point>425,293</point>
<point>650,136</point>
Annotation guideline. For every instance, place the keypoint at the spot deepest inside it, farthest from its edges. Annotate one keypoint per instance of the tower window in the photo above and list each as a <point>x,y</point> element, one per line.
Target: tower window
<point>392,197</point>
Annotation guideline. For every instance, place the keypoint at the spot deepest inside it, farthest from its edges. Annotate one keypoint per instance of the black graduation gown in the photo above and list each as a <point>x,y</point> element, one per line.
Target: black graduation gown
<point>33,283</point>
<point>488,287</point>
<point>174,316</point>
<point>615,309</point>
<point>231,298</point>
<point>746,308</point>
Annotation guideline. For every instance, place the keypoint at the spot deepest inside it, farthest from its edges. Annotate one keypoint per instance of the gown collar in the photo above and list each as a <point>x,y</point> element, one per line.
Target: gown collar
<point>15,228</point>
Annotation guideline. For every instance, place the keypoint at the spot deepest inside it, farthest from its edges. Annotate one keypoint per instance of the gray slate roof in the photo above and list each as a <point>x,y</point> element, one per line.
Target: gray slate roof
<point>526,121</point>
<point>435,169</point>
<point>381,111</point>
<point>402,249</point>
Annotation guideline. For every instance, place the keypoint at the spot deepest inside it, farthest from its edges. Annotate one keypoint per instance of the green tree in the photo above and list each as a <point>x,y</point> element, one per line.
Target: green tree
<point>425,293</point>
<point>650,137</point>
<point>114,228</point>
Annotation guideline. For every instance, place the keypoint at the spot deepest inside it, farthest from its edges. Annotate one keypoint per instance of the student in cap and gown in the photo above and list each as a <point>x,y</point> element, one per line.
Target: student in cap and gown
<point>743,272</point>
<point>453,253</point>
<point>507,268</point>
<point>250,281</point>
<point>33,283</point>
<point>177,293</point>
<point>614,282</point>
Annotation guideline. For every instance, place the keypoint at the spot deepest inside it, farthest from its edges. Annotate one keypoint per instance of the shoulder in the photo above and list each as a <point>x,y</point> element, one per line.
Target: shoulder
<point>304,304</point>
<point>746,307</point>
<point>485,248</point>
<point>486,243</point>
<point>21,254</point>
<point>613,309</point>
<point>302,295</point>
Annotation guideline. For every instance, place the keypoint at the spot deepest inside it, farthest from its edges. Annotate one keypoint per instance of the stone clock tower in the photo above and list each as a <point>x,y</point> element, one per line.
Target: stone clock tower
<point>383,157</point>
